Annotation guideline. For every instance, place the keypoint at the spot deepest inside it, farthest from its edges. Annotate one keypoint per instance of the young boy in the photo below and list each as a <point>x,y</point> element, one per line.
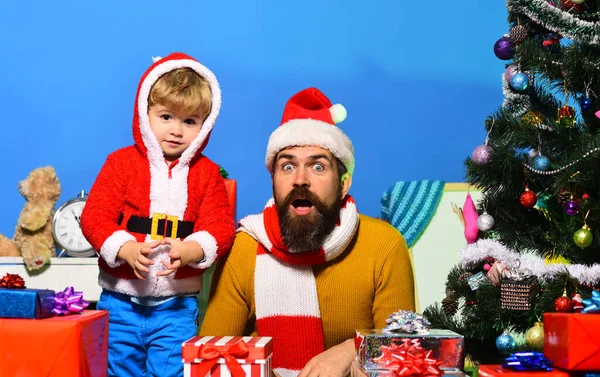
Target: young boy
<point>159,216</point>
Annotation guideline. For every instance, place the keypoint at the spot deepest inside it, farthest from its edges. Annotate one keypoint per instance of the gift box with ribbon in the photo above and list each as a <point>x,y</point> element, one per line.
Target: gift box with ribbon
<point>444,346</point>
<point>26,303</point>
<point>572,340</point>
<point>59,346</point>
<point>17,301</point>
<point>405,326</point>
<point>225,356</point>
<point>406,358</point>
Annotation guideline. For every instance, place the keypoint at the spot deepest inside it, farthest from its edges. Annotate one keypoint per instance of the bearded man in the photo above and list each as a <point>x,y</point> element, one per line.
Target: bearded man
<point>310,269</point>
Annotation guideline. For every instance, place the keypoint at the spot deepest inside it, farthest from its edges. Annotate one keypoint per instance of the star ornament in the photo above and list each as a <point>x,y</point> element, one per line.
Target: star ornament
<point>592,305</point>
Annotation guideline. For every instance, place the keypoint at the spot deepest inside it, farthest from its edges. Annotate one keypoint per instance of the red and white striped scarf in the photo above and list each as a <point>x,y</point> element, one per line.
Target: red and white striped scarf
<point>285,291</point>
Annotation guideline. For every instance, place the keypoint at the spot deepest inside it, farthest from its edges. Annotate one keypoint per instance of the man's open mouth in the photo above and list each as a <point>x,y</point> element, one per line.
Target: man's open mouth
<point>302,206</point>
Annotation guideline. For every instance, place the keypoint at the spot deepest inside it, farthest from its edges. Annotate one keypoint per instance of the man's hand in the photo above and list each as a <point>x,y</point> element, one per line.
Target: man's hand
<point>181,253</point>
<point>135,254</point>
<point>335,362</point>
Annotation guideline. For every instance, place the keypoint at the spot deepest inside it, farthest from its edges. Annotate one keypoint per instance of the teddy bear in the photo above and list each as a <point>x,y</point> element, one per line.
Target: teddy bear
<point>33,238</point>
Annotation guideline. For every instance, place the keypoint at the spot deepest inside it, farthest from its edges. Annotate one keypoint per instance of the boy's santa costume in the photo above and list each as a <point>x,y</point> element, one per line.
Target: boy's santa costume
<point>139,197</point>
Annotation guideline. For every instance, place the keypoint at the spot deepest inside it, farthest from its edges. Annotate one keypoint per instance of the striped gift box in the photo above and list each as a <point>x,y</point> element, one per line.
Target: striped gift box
<point>255,363</point>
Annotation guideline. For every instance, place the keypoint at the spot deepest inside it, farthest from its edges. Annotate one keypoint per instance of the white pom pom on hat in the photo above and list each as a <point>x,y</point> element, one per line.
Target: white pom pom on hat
<point>338,113</point>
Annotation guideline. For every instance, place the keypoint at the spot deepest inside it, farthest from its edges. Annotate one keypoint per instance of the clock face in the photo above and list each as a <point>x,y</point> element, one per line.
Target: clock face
<point>67,231</point>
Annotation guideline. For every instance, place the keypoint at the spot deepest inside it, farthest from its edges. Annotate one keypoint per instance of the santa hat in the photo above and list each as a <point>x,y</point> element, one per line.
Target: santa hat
<point>309,119</point>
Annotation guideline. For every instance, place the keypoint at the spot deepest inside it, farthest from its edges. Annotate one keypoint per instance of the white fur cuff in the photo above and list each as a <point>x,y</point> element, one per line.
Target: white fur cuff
<point>112,245</point>
<point>310,132</point>
<point>208,244</point>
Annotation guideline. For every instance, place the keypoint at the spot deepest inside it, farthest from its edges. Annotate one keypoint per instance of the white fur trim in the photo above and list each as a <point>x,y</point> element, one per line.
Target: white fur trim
<point>208,243</point>
<point>276,281</point>
<point>155,154</point>
<point>310,132</point>
<point>110,248</point>
<point>153,286</point>
<point>168,195</point>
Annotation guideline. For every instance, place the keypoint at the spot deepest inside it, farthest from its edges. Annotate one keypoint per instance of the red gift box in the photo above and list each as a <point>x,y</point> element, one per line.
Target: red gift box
<point>225,356</point>
<point>497,370</point>
<point>70,346</point>
<point>572,340</point>
<point>231,187</point>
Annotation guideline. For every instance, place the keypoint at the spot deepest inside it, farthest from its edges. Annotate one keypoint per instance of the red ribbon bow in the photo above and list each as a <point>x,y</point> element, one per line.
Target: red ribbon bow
<point>211,355</point>
<point>12,281</point>
<point>408,359</point>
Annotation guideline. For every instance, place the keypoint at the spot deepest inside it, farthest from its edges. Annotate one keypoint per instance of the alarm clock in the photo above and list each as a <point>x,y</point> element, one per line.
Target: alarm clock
<point>66,229</point>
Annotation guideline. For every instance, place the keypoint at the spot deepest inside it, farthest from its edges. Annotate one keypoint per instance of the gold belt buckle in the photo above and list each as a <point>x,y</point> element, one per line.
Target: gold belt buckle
<point>154,227</point>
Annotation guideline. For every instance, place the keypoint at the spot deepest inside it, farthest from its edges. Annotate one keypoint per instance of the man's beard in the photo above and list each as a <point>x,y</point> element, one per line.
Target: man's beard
<point>307,233</point>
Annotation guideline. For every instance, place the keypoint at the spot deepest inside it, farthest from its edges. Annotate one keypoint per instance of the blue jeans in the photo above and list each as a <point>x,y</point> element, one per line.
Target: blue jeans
<point>146,340</point>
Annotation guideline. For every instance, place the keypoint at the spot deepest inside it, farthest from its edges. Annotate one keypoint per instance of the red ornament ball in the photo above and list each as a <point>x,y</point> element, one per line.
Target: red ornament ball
<point>563,304</point>
<point>585,196</point>
<point>572,7</point>
<point>528,198</point>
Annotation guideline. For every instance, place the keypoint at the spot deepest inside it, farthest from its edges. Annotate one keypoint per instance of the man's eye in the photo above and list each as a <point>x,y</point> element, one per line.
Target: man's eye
<point>165,117</point>
<point>318,167</point>
<point>189,122</point>
<point>287,167</point>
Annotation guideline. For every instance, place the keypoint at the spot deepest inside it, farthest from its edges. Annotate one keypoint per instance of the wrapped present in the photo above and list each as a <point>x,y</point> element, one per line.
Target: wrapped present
<point>446,346</point>
<point>572,340</point>
<point>231,187</point>
<point>26,303</point>
<point>60,346</point>
<point>227,356</point>
<point>495,370</point>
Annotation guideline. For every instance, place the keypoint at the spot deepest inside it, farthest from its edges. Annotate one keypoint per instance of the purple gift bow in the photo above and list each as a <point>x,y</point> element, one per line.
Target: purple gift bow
<point>69,301</point>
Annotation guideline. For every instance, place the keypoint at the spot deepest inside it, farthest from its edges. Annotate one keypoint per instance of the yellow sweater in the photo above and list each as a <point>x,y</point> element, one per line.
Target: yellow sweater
<point>357,290</point>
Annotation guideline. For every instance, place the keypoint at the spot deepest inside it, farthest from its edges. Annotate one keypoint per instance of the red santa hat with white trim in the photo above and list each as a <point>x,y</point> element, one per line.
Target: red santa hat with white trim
<point>309,119</point>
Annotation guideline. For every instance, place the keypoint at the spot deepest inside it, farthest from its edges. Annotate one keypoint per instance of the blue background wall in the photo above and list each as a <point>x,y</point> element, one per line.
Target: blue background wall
<point>418,80</point>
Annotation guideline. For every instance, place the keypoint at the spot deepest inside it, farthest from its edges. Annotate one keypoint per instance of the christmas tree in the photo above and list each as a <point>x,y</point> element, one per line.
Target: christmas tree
<point>534,237</point>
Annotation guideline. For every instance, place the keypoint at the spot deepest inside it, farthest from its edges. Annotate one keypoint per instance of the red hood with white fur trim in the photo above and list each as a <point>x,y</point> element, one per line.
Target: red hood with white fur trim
<point>142,134</point>
<point>136,182</point>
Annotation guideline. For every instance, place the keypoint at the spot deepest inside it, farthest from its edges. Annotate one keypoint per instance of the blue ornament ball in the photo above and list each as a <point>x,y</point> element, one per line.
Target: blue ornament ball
<point>541,163</point>
<point>586,103</point>
<point>519,81</point>
<point>505,343</point>
<point>504,48</point>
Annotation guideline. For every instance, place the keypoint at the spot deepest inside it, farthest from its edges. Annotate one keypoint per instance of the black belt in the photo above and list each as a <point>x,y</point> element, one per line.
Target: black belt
<point>144,225</point>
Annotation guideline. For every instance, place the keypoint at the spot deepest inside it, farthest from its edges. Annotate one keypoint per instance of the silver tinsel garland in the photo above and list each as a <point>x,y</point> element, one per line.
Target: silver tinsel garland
<point>475,253</point>
<point>557,20</point>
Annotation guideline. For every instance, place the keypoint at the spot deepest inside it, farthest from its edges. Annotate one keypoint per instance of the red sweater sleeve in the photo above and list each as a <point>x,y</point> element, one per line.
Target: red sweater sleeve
<point>214,228</point>
<point>104,205</point>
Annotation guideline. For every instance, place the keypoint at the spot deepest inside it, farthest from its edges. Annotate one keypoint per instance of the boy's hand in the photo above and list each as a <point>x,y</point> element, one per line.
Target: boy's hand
<point>181,253</point>
<point>134,253</point>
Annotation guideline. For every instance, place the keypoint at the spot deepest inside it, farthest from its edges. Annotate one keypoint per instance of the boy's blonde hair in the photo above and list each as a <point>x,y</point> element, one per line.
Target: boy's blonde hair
<point>182,90</point>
